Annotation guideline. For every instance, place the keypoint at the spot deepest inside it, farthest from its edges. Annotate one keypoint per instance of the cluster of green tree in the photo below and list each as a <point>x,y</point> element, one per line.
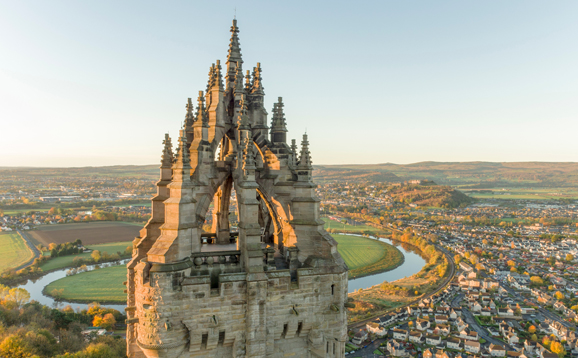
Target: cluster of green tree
<point>31,330</point>
<point>65,249</point>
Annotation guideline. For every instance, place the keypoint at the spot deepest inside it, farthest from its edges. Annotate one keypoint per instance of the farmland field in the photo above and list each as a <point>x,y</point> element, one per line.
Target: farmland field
<point>332,224</point>
<point>14,251</point>
<point>365,256</point>
<point>66,261</point>
<point>102,285</point>
<point>89,233</point>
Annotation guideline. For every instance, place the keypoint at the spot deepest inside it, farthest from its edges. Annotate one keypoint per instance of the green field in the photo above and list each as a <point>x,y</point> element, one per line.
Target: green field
<point>332,224</point>
<point>517,193</point>
<point>66,261</point>
<point>14,251</point>
<point>365,256</point>
<point>103,285</point>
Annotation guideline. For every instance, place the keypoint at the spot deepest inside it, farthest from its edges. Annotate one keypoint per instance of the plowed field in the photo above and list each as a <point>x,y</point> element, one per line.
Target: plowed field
<point>89,233</point>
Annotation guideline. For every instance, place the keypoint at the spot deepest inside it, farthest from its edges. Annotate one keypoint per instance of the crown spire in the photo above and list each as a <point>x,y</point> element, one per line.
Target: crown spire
<point>168,156</point>
<point>234,55</point>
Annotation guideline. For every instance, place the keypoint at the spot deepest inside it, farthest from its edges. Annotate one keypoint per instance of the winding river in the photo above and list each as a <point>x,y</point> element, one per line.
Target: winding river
<point>412,264</point>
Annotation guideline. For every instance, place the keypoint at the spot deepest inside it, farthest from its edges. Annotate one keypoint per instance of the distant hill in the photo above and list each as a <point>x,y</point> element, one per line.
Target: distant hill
<point>322,173</point>
<point>466,175</point>
<point>429,195</point>
<point>117,171</point>
<point>473,175</point>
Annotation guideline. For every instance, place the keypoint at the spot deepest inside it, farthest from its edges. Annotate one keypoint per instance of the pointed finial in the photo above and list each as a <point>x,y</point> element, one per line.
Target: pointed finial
<point>248,82</point>
<point>278,123</point>
<point>189,117</point>
<point>239,79</point>
<point>257,85</point>
<point>248,154</point>
<point>243,118</point>
<point>182,160</point>
<point>202,117</point>
<point>305,157</point>
<point>218,75</point>
<point>234,55</point>
<point>167,156</point>
<point>212,79</point>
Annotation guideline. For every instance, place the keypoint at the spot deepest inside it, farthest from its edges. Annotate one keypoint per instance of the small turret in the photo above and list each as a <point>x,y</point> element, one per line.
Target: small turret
<point>234,56</point>
<point>278,124</point>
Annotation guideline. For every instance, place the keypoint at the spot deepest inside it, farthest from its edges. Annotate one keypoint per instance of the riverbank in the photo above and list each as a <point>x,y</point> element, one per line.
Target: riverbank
<point>365,256</point>
<point>379,299</point>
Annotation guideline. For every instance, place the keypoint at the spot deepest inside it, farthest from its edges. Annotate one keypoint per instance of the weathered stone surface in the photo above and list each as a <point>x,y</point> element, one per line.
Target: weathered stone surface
<point>282,291</point>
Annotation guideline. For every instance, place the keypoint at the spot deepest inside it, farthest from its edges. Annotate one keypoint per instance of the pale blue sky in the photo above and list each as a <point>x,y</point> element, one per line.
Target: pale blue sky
<point>99,82</point>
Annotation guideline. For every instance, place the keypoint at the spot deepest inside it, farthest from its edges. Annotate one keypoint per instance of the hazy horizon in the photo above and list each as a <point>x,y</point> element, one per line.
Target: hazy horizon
<point>336,164</point>
<point>99,83</point>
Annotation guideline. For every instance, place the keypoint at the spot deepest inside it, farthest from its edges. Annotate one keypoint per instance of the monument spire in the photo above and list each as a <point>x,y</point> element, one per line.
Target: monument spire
<point>234,55</point>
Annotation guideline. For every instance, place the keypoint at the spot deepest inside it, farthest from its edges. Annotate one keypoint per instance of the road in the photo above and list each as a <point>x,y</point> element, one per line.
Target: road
<point>32,247</point>
<point>367,352</point>
<point>543,311</point>
<point>469,318</point>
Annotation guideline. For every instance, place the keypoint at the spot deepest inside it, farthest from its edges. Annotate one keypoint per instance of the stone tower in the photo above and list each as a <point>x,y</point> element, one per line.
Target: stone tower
<point>275,287</point>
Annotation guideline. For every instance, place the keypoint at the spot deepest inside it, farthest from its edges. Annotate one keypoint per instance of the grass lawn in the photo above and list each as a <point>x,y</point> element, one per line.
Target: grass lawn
<point>365,256</point>
<point>14,251</point>
<point>66,261</point>
<point>102,285</point>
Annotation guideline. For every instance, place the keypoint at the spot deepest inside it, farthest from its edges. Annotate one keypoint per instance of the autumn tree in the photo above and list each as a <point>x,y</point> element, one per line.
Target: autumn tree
<point>558,348</point>
<point>559,295</point>
<point>532,329</point>
<point>95,255</point>
<point>537,280</point>
<point>569,257</point>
